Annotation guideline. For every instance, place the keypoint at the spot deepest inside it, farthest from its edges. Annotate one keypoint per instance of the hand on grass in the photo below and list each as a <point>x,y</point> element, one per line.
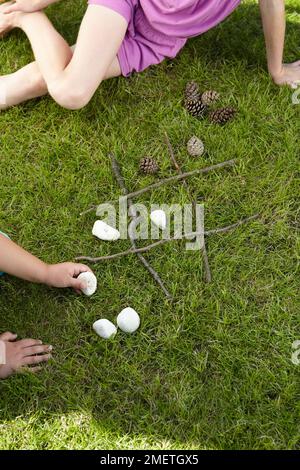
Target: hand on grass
<point>289,75</point>
<point>65,275</point>
<point>21,354</point>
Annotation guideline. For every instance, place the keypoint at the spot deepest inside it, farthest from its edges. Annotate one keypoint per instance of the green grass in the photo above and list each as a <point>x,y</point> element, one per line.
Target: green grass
<point>213,370</point>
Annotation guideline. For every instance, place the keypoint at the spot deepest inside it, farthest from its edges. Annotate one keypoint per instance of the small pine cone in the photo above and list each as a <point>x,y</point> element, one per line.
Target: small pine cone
<point>222,116</point>
<point>192,91</point>
<point>195,107</point>
<point>209,97</point>
<point>148,166</point>
<point>195,147</point>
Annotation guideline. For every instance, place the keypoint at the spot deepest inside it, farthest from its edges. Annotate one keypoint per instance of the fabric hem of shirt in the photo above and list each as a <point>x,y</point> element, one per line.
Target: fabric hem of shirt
<point>122,9</point>
<point>123,62</point>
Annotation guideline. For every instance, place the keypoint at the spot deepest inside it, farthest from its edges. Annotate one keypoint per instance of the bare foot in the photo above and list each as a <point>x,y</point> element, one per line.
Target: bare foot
<point>289,75</point>
<point>21,354</point>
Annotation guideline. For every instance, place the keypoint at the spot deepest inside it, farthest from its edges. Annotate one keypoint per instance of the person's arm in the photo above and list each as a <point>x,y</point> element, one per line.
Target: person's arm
<point>18,262</point>
<point>274,25</point>
<point>29,6</point>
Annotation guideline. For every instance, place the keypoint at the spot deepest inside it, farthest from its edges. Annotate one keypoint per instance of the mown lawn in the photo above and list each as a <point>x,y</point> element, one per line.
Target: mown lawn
<point>212,370</point>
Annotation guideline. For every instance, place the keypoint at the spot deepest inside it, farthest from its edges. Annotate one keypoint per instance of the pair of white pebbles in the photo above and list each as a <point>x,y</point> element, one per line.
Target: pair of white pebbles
<point>128,320</point>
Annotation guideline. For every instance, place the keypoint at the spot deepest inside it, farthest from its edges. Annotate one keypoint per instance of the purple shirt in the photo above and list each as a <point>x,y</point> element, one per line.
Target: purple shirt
<point>186,18</point>
<point>159,28</point>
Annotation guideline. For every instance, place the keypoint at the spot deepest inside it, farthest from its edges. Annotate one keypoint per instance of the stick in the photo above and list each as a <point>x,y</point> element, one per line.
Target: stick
<point>205,260</point>
<point>144,249</point>
<point>121,182</point>
<point>171,179</point>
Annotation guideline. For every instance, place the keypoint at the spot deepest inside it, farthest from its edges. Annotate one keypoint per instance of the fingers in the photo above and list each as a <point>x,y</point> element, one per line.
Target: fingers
<point>37,350</point>
<point>26,343</point>
<point>8,336</point>
<point>81,268</point>
<point>11,8</point>
<point>29,360</point>
<point>77,284</point>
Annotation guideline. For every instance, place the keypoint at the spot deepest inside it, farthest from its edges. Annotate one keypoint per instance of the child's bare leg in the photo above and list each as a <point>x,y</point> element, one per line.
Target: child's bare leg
<point>23,85</point>
<point>73,79</point>
<point>18,355</point>
<point>28,83</point>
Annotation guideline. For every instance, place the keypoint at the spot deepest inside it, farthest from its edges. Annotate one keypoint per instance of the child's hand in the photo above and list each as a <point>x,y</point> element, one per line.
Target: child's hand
<point>289,75</point>
<point>65,274</point>
<point>21,354</point>
<point>26,6</point>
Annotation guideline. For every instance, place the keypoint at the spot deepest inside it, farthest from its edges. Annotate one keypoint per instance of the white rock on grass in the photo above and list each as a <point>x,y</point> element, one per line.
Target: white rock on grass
<point>128,320</point>
<point>105,232</point>
<point>104,328</point>
<point>159,218</point>
<point>91,283</point>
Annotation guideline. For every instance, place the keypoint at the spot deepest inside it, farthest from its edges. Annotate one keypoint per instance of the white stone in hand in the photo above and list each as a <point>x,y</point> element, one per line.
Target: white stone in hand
<point>90,281</point>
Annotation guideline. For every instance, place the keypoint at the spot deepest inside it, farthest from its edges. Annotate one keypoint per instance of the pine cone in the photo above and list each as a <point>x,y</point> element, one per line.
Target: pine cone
<point>195,107</point>
<point>192,91</point>
<point>148,166</point>
<point>195,147</point>
<point>222,116</point>
<point>209,97</point>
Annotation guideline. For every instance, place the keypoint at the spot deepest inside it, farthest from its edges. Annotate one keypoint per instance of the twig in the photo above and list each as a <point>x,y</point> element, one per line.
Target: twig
<point>133,214</point>
<point>204,254</point>
<point>90,209</point>
<point>174,161</point>
<point>180,177</point>
<point>171,179</point>
<point>206,264</point>
<point>147,248</point>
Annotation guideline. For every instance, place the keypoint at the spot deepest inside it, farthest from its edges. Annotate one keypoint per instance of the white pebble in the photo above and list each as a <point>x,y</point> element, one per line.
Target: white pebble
<point>104,328</point>
<point>91,283</point>
<point>159,218</point>
<point>105,232</point>
<point>128,320</point>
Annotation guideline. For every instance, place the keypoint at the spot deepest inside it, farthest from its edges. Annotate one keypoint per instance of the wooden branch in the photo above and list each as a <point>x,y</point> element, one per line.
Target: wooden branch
<point>118,175</point>
<point>171,179</point>
<point>180,177</point>
<point>147,248</point>
<point>174,161</point>
<point>204,254</point>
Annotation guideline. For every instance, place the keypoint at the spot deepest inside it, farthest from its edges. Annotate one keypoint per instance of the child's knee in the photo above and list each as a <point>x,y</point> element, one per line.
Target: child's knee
<point>68,95</point>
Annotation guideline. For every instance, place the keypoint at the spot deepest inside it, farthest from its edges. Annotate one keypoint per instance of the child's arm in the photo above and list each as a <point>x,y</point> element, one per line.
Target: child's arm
<point>274,24</point>
<point>18,262</point>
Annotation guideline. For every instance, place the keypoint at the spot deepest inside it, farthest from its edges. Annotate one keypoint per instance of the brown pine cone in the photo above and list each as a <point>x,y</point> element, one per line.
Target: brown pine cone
<point>195,147</point>
<point>192,91</point>
<point>149,166</point>
<point>195,107</point>
<point>222,116</point>
<point>209,97</point>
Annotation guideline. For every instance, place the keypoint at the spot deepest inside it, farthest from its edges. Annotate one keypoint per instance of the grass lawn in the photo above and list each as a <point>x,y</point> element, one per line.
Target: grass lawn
<point>212,370</point>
